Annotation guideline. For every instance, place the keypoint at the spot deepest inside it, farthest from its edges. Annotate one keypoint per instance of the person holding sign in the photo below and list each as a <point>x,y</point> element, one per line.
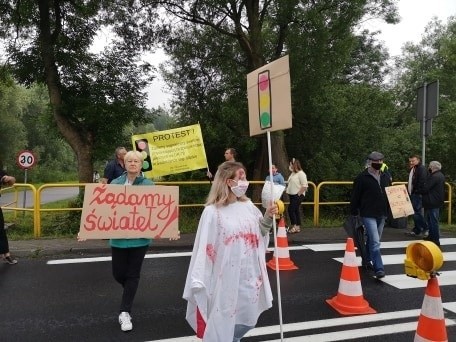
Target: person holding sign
<point>227,286</point>
<point>128,254</point>
<point>369,200</point>
<point>4,247</point>
<point>230,155</point>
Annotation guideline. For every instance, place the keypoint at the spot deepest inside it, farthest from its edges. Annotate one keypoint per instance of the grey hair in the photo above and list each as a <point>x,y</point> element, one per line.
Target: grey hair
<point>435,165</point>
<point>132,154</point>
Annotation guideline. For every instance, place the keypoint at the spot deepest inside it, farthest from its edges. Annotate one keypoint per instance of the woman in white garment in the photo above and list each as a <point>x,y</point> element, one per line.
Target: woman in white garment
<point>227,286</point>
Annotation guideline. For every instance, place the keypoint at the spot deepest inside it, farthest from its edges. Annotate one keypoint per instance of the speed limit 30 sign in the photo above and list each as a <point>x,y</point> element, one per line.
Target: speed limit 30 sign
<point>25,159</point>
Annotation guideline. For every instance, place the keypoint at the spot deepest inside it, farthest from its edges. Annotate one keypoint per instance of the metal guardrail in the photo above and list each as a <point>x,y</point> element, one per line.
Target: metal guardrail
<point>316,201</point>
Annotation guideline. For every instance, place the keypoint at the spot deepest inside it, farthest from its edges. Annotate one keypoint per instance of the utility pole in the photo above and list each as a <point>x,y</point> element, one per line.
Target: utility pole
<point>427,109</point>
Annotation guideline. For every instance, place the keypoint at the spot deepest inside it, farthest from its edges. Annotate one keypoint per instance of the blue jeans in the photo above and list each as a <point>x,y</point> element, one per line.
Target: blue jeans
<point>374,229</point>
<point>418,219</point>
<point>432,220</point>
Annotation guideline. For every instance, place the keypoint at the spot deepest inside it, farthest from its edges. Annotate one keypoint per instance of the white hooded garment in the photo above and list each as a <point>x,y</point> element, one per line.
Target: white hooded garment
<point>227,278</point>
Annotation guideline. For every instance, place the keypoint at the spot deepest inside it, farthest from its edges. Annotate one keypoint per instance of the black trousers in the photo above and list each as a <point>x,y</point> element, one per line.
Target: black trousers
<point>294,209</point>
<point>126,269</point>
<point>4,247</point>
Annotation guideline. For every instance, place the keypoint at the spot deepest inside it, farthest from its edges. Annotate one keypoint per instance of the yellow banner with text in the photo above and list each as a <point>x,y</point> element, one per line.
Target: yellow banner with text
<point>171,151</point>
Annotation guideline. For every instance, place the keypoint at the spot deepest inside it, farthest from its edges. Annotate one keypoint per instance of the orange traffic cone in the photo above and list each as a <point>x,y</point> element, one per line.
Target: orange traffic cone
<point>349,299</point>
<point>431,324</point>
<point>283,255</point>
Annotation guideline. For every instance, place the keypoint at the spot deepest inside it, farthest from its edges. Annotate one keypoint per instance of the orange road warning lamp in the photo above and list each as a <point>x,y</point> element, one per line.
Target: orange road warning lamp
<point>423,260</point>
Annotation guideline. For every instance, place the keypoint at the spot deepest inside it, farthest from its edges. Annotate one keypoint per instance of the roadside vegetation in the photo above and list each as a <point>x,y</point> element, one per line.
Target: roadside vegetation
<point>72,102</point>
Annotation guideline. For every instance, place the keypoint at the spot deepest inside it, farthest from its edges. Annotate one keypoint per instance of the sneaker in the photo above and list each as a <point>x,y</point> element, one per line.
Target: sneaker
<point>125,321</point>
<point>380,274</point>
<point>426,233</point>
<point>411,233</point>
<point>9,260</point>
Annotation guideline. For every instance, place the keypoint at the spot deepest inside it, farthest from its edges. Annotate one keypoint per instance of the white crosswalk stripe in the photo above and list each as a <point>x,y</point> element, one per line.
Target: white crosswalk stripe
<point>395,259</point>
<point>402,281</point>
<point>385,245</point>
<point>378,330</point>
<point>380,324</point>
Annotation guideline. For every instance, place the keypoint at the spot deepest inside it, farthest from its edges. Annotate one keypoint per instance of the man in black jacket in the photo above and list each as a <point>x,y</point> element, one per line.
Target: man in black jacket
<point>433,199</point>
<point>417,177</point>
<point>370,202</point>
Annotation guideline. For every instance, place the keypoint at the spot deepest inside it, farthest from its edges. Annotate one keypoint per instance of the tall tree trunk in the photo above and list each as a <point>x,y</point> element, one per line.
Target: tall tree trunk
<point>81,147</point>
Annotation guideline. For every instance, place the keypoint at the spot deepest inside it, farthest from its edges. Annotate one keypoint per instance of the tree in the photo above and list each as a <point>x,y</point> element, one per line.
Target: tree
<point>216,43</point>
<point>92,96</point>
<point>433,58</point>
<point>12,130</point>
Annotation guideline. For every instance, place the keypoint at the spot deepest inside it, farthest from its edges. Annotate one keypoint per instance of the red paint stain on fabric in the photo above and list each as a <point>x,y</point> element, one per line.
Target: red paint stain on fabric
<point>250,239</point>
<point>210,252</point>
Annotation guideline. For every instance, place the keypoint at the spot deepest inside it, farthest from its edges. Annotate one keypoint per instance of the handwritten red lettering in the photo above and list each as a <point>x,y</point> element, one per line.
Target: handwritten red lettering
<point>101,196</point>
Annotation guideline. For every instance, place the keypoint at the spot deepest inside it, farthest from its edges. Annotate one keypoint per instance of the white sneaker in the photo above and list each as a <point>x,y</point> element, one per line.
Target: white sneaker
<point>125,321</point>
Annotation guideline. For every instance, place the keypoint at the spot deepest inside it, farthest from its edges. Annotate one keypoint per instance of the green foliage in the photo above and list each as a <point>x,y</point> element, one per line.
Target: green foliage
<point>12,130</point>
<point>431,59</point>
<point>93,96</point>
<point>211,50</point>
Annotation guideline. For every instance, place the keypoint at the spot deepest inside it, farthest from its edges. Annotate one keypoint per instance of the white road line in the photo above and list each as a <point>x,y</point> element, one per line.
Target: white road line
<point>359,333</point>
<point>98,259</point>
<point>388,244</point>
<point>336,322</point>
<point>77,260</point>
<point>401,281</point>
<point>395,259</point>
<point>387,259</point>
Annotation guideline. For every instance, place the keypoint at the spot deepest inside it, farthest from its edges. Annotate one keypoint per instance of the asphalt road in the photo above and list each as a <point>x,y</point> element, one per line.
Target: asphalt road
<point>75,300</point>
<point>47,195</point>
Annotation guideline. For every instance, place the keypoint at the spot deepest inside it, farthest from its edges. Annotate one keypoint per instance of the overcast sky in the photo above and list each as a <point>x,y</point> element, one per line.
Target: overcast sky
<point>415,15</point>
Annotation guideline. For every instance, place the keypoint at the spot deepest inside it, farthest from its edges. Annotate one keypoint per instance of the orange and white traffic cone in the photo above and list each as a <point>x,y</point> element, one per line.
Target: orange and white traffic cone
<point>349,299</point>
<point>431,324</point>
<point>283,254</point>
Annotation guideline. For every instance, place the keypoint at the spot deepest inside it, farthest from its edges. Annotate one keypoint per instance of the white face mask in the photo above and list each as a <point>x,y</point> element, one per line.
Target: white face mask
<point>240,189</point>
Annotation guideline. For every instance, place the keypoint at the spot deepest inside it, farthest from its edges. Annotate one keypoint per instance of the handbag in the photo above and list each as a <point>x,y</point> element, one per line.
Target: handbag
<point>352,222</point>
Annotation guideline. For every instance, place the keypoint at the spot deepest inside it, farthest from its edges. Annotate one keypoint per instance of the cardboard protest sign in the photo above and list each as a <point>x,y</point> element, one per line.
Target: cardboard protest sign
<point>125,211</point>
<point>399,201</point>
<point>269,97</point>
<point>171,151</point>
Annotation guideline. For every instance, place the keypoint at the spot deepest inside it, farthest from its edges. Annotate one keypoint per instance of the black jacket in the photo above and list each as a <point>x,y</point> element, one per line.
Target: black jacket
<point>368,197</point>
<point>418,179</point>
<point>434,191</point>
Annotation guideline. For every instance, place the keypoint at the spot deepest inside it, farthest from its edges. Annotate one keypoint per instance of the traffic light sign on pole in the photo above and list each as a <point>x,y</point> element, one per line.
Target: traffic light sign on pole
<point>264,99</point>
<point>142,145</point>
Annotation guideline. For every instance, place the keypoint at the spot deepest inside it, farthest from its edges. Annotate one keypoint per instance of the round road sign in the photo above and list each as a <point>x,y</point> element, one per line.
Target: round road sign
<point>25,159</point>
